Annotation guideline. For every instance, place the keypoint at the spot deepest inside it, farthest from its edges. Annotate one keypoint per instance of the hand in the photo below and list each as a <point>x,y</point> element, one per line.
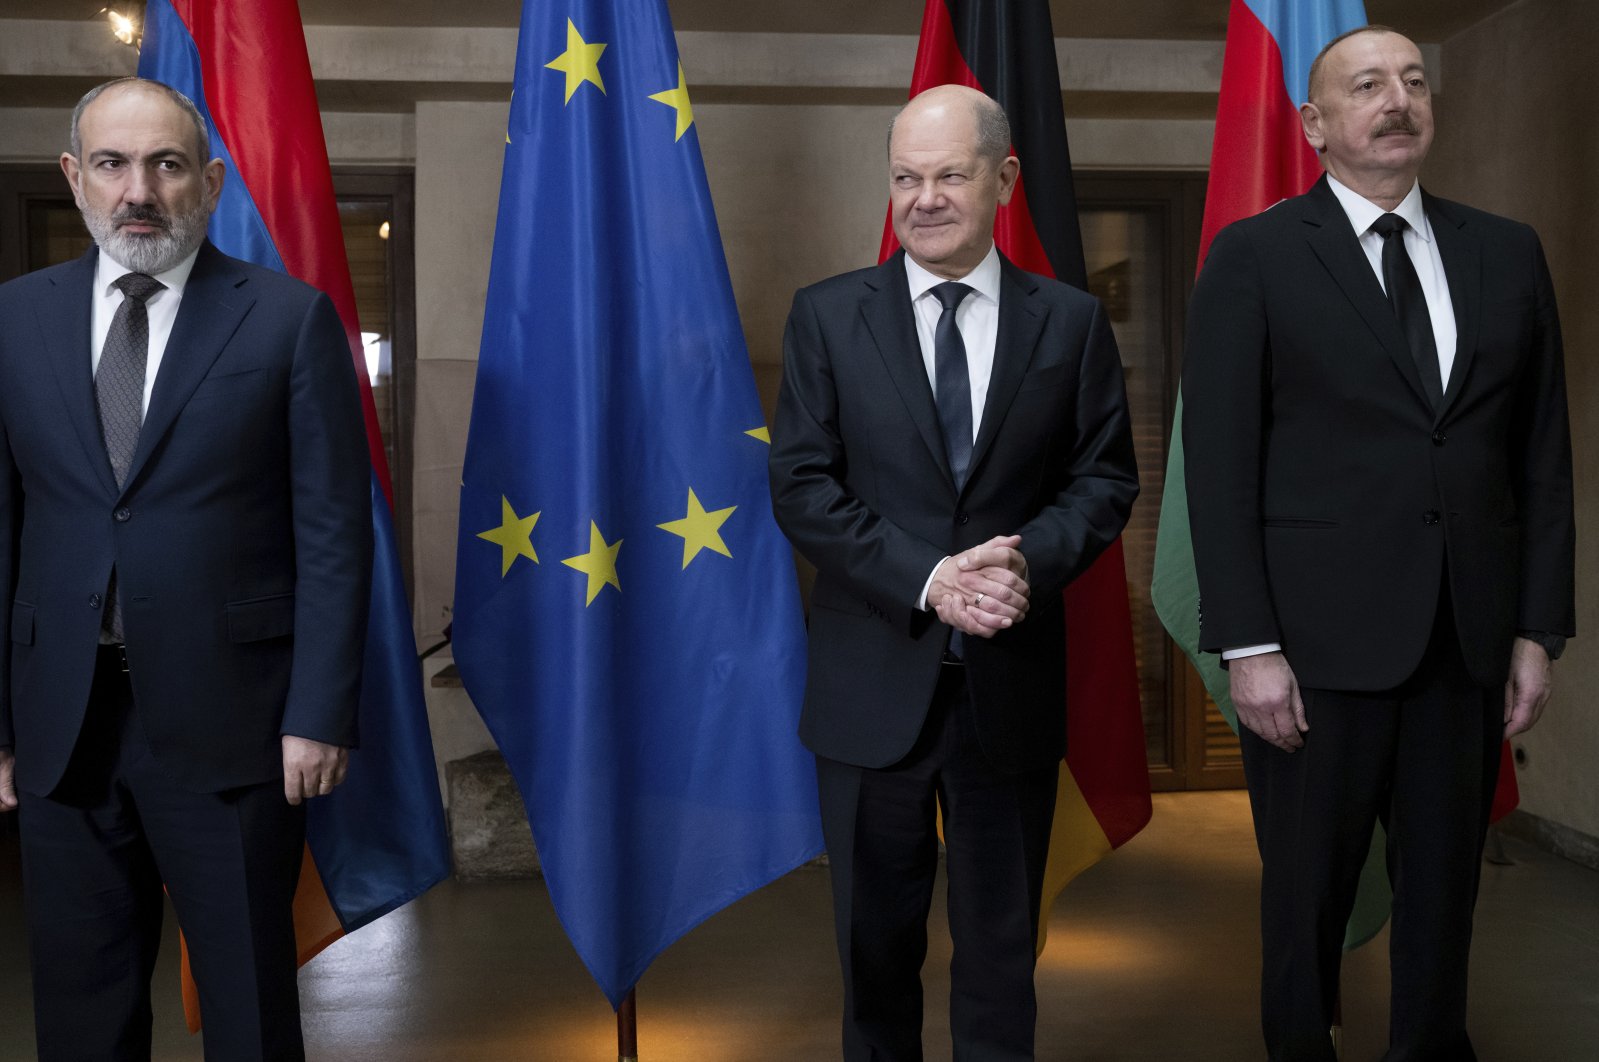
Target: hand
<point>8,780</point>
<point>983,590</point>
<point>311,768</point>
<point>1266,695</point>
<point>1529,686</point>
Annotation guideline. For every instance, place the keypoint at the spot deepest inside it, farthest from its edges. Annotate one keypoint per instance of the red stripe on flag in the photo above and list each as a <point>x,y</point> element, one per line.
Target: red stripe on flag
<point>258,85</point>
<point>1260,154</point>
<point>1105,734</point>
<point>1507,794</point>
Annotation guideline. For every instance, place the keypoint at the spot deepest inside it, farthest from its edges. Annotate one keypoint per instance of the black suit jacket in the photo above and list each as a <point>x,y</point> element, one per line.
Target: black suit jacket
<point>862,487</point>
<point>241,537</point>
<point>1328,500</point>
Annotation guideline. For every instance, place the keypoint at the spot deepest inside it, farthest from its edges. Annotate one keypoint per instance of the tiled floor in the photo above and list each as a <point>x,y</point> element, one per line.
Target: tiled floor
<point>1151,956</point>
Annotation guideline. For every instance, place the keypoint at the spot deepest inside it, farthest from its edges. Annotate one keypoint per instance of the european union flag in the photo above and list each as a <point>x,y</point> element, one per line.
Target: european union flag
<point>626,615</point>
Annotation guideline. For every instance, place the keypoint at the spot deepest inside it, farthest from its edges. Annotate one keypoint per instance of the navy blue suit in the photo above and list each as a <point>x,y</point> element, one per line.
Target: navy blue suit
<point>241,540</point>
<point>862,486</point>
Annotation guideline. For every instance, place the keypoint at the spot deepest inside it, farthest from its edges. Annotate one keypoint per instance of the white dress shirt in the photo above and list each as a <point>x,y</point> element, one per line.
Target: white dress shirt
<point>1423,250</point>
<point>161,308</point>
<point>977,317</point>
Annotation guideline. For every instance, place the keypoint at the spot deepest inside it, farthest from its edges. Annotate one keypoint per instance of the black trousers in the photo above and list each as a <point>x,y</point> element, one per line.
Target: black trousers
<point>95,855</point>
<point>1423,759</point>
<point>882,843</point>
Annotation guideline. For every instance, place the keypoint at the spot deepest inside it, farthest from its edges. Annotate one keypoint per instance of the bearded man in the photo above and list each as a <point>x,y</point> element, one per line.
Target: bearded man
<point>185,544</point>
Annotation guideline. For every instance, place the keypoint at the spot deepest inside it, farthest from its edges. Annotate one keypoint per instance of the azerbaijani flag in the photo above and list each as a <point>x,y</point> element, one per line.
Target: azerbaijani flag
<point>1260,156</point>
<point>1006,48</point>
<point>379,840</point>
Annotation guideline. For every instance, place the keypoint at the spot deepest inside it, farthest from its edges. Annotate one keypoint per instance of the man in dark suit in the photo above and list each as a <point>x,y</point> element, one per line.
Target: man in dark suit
<point>951,448</point>
<point>185,556</point>
<point>1379,475</point>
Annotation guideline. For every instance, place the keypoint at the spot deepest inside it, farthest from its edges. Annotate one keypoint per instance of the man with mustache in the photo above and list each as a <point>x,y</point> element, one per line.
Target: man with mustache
<point>185,554</point>
<point>1379,479</point>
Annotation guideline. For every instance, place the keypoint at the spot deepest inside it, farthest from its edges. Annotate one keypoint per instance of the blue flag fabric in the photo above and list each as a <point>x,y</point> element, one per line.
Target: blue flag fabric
<point>627,619</point>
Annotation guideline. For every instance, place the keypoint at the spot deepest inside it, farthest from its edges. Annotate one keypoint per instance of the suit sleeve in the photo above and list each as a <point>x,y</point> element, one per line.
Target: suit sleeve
<point>1100,476</point>
<point>1541,466</point>
<point>1226,373</point>
<point>330,482</point>
<point>811,498</point>
<point>10,532</point>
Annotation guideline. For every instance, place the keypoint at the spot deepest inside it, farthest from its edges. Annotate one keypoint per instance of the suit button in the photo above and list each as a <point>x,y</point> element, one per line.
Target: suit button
<point>963,518</point>
<point>1439,438</point>
<point>94,600</point>
<point>122,515</point>
<point>1430,516</point>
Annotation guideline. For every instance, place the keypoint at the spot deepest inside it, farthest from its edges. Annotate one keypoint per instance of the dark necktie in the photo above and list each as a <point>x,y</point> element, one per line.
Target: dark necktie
<point>953,390</point>
<point>1410,305</point>
<point>119,394</point>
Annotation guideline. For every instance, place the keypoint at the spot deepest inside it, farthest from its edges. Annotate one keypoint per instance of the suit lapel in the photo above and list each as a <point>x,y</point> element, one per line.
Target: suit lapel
<point>64,322</point>
<point>1462,258</point>
<point>211,311</point>
<point>887,309</point>
<point>1335,243</point>
<point>1021,320</point>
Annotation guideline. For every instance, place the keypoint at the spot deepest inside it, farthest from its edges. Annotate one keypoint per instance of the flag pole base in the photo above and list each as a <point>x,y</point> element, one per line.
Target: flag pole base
<point>627,1028</point>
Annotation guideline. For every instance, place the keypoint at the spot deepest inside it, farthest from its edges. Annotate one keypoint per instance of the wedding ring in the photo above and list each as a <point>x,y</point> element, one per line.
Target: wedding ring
<point>979,600</point>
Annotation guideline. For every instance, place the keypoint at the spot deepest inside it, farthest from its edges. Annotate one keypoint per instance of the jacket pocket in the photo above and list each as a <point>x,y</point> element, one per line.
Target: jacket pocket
<point>21,623</point>
<point>260,618</point>
<point>1054,376</point>
<point>1286,522</point>
<point>229,383</point>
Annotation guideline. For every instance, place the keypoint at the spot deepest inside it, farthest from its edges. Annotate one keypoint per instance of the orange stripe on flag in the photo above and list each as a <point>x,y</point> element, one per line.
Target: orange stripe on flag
<point>1076,843</point>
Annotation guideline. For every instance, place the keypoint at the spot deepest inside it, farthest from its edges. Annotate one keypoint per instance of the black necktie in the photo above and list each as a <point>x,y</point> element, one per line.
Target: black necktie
<point>954,389</point>
<point>1410,305</point>
<point>119,393</point>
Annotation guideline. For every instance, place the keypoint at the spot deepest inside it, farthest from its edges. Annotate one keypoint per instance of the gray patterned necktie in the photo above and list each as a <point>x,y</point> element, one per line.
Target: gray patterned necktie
<point>119,394</point>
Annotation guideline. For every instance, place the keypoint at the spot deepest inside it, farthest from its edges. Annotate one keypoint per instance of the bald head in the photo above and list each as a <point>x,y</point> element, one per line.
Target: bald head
<point>990,128</point>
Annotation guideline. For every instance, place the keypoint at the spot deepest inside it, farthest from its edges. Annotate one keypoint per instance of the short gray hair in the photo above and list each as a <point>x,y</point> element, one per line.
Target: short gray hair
<point>993,129</point>
<point>184,104</point>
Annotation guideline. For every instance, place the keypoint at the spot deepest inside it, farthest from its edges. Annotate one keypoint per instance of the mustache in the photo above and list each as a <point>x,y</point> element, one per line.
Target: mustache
<point>143,215</point>
<point>1398,123</point>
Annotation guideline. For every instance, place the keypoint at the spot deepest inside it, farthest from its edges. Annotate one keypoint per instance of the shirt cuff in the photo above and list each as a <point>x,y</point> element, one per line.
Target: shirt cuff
<point>921,602</point>
<point>1251,650</point>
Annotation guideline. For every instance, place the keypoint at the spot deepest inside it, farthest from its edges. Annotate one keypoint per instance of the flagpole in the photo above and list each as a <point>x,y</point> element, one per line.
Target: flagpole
<point>627,1028</point>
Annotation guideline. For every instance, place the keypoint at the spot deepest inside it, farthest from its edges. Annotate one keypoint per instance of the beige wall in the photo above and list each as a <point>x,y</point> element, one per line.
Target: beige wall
<point>1516,136</point>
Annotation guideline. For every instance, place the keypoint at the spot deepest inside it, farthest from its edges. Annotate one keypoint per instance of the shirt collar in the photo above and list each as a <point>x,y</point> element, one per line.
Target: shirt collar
<point>1362,211</point>
<point>108,269</point>
<point>984,279</point>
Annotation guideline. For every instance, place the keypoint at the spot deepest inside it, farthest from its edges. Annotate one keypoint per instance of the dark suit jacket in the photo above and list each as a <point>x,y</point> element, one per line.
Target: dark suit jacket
<point>241,538</point>
<point>862,487</point>
<point>1328,500</point>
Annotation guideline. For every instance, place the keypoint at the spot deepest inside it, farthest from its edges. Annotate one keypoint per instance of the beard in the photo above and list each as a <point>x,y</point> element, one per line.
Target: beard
<point>175,238</point>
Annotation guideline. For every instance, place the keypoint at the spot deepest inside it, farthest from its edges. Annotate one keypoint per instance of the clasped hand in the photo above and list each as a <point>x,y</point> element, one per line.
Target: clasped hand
<point>982,590</point>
